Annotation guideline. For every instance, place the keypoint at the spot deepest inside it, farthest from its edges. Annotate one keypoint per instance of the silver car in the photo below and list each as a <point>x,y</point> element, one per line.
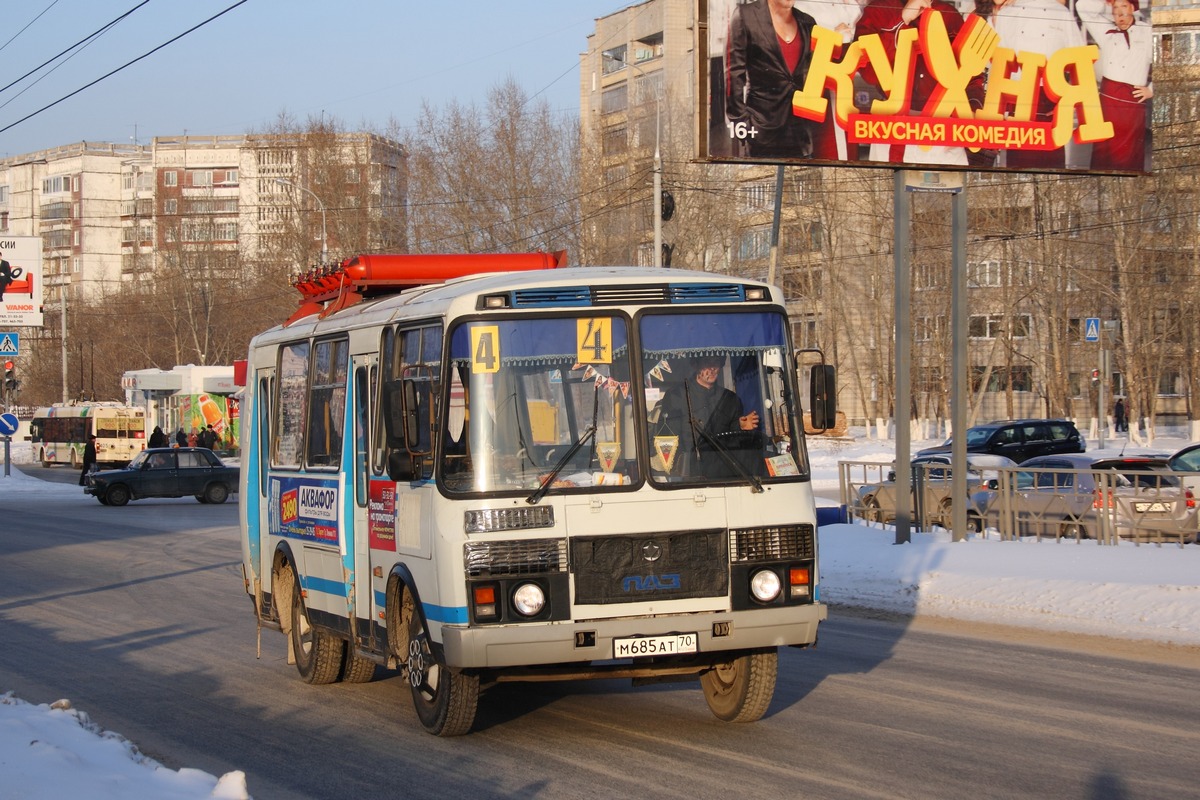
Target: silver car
<point>1077,496</point>
<point>877,501</point>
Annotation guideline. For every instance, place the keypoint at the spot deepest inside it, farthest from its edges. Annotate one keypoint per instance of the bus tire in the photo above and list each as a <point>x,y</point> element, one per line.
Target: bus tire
<point>216,493</point>
<point>117,495</point>
<point>357,669</point>
<point>74,458</point>
<point>445,699</point>
<point>318,652</point>
<point>740,690</point>
<point>43,459</point>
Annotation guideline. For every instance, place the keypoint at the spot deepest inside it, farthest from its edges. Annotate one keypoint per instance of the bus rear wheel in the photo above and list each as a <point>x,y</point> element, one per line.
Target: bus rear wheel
<point>42,457</point>
<point>740,690</point>
<point>445,699</point>
<point>318,653</point>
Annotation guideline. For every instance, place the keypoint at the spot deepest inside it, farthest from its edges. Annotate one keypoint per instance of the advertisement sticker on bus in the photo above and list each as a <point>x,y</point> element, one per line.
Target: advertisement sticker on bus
<point>305,508</point>
<point>381,515</point>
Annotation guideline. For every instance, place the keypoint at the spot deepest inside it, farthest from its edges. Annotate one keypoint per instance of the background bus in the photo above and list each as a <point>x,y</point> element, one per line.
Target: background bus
<point>58,433</point>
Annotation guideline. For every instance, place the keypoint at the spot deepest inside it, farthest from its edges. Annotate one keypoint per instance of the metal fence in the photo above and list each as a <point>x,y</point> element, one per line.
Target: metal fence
<point>1011,503</point>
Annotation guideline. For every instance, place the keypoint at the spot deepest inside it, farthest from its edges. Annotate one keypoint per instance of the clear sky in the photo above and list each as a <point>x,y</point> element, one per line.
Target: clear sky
<point>362,62</point>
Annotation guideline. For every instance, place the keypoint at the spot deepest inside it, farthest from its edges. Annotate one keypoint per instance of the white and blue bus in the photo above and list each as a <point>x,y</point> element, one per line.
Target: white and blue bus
<point>485,468</point>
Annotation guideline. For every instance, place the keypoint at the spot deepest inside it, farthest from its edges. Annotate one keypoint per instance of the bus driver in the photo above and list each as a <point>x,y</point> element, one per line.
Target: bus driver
<point>701,412</point>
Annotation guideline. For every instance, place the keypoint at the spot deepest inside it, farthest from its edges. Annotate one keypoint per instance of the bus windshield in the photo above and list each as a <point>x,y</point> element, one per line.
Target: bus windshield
<point>720,396</point>
<point>525,393</point>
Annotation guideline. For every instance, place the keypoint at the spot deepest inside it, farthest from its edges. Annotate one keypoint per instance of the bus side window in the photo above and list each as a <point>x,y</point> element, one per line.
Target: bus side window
<point>327,402</point>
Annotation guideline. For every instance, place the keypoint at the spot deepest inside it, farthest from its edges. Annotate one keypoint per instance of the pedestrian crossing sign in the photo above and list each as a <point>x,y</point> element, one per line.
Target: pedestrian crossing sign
<point>10,344</point>
<point>1091,330</point>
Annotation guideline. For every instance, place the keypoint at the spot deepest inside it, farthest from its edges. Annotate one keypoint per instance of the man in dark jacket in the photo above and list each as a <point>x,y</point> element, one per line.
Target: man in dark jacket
<point>89,458</point>
<point>701,404</point>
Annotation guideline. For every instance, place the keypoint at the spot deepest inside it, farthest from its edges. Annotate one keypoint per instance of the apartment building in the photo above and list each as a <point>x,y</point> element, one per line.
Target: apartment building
<point>110,213</point>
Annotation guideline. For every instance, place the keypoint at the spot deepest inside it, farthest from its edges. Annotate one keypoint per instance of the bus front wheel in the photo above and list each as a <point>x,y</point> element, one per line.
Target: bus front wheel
<point>445,699</point>
<point>740,690</point>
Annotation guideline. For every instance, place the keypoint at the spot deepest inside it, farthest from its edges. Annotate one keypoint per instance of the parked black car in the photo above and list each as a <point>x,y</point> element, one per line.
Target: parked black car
<point>1020,439</point>
<point>166,472</point>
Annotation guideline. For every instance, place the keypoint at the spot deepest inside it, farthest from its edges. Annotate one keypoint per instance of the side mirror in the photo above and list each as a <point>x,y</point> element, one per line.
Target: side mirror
<point>411,431</point>
<point>822,397</point>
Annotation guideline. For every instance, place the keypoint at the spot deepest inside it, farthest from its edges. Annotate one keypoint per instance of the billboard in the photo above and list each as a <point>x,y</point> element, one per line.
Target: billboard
<point>20,282</point>
<point>1030,85</point>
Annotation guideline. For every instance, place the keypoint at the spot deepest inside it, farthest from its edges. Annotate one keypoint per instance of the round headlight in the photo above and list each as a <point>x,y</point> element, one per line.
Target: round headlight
<point>765,585</point>
<point>529,599</point>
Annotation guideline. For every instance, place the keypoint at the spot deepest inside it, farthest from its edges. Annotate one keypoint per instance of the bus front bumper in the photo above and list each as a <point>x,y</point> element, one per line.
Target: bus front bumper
<point>531,644</point>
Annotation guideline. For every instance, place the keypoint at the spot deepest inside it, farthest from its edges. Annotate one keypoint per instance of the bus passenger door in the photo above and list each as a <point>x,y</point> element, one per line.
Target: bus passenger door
<point>256,459</point>
<point>359,482</point>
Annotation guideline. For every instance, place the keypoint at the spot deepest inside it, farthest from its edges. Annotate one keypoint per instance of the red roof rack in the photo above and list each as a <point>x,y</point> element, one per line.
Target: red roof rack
<point>343,284</point>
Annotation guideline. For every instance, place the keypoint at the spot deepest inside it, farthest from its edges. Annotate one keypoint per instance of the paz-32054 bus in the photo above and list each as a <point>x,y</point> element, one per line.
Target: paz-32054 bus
<point>520,475</point>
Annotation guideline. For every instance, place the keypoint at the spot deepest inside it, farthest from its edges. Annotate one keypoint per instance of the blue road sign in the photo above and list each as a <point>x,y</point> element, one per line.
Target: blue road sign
<point>1091,330</point>
<point>10,344</point>
<point>8,424</point>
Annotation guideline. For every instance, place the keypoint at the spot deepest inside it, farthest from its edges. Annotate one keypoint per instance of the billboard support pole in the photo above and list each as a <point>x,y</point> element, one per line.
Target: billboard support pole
<point>958,383</point>
<point>902,220</point>
<point>775,219</point>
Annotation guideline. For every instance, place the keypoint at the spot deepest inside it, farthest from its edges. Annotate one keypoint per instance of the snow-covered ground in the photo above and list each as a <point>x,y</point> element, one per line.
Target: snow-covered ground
<point>1128,592</point>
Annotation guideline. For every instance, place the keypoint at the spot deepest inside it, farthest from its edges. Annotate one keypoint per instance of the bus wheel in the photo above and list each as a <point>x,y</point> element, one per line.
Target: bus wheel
<point>44,460</point>
<point>216,493</point>
<point>445,699</point>
<point>357,669</point>
<point>74,458</point>
<point>740,690</point>
<point>318,653</point>
<point>117,495</point>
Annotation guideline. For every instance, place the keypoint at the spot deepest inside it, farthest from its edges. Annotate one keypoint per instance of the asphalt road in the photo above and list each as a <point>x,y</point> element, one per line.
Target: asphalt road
<point>138,616</point>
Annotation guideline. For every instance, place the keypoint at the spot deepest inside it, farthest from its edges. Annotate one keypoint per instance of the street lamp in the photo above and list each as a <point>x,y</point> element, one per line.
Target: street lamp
<point>658,191</point>
<point>324,239</point>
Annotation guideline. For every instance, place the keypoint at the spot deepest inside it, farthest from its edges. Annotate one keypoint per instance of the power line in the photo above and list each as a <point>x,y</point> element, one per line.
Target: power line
<point>124,66</point>
<point>87,38</point>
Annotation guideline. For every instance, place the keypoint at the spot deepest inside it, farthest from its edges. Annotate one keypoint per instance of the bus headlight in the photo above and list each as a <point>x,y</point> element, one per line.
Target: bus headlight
<point>765,585</point>
<point>529,599</point>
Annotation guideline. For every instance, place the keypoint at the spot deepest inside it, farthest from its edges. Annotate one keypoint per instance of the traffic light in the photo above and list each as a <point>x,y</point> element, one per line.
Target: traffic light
<point>10,377</point>
<point>1095,376</point>
<point>668,206</point>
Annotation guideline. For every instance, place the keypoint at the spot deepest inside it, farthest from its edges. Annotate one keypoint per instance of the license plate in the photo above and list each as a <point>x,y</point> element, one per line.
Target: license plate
<point>638,646</point>
<point>1150,508</point>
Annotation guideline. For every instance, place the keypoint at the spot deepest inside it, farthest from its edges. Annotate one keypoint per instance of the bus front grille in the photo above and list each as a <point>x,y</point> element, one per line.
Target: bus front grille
<point>645,567</point>
<point>772,543</point>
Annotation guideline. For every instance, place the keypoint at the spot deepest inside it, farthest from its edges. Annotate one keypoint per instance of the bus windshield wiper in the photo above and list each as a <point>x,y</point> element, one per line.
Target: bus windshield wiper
<point>721,450</point>
<point>540,492</point>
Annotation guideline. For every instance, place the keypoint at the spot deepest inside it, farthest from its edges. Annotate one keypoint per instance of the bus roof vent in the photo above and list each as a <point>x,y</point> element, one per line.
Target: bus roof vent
<point>618,295</point>
<point>706,293</point>
<point>552,296</point>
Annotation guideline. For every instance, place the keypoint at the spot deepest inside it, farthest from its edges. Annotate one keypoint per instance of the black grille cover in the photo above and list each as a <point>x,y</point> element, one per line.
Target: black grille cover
<point>646,567</point>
